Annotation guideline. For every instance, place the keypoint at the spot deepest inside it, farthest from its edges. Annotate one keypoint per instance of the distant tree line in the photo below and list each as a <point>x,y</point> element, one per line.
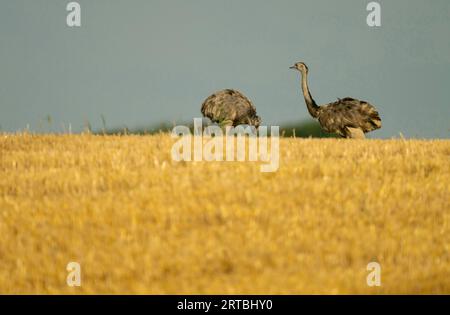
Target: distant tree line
<point>302,129</point>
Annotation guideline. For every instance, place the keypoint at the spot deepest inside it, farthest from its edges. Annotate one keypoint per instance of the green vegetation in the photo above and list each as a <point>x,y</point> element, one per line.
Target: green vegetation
<point>302,129</point>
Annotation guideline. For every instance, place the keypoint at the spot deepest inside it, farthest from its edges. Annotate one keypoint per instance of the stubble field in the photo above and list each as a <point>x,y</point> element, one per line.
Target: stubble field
<point>137,222</point>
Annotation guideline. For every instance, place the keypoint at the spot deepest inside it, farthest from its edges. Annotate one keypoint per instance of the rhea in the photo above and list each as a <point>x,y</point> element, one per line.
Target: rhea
<point>230,108</point>
<point>347,117</point>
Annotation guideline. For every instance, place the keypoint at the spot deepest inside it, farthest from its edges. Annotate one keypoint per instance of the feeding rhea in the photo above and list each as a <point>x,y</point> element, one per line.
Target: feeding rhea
<point>230,108</point>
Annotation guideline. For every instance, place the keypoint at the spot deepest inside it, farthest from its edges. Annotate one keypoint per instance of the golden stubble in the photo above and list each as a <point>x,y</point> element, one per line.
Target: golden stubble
<point>138,222</point>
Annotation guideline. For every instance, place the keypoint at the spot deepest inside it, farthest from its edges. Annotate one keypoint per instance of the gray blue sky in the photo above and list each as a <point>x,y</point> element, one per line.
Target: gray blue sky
<point>140,62</point>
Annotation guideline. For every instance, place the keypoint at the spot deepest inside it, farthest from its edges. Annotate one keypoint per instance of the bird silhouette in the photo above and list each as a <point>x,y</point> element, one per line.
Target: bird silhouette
<point>347,117</point>
<point>230,108</point>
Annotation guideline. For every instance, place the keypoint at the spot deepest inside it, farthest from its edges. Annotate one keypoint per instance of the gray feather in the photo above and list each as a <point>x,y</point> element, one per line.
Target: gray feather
<point>231,106</point>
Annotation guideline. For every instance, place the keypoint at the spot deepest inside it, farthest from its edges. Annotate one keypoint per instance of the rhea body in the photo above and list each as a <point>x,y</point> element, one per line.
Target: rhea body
<point>347,117</point>
<point>230,108</point>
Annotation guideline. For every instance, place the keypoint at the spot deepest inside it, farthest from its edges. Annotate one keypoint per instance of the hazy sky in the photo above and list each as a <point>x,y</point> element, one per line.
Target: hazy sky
<point>141,62</point>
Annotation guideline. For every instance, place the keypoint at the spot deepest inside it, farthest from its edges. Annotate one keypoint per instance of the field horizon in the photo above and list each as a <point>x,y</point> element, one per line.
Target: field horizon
<point>139,222</point>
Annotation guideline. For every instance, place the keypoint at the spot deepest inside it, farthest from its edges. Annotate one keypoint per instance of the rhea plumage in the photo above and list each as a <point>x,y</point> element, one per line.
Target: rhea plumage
<point>230,108</point>
<point>347,117</point>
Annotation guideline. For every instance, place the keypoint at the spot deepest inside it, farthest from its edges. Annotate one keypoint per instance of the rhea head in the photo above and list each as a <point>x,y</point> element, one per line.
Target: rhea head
<point>300,66</point>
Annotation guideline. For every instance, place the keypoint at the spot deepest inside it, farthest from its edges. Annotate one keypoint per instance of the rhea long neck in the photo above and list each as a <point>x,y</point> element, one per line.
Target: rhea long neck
<point>313,109</point>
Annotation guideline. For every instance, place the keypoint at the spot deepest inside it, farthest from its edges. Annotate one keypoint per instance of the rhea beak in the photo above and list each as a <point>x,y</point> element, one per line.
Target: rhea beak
<point>293,67</point>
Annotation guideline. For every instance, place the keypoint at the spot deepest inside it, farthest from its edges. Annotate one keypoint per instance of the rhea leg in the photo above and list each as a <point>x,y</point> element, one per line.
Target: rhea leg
<point>355,133</point>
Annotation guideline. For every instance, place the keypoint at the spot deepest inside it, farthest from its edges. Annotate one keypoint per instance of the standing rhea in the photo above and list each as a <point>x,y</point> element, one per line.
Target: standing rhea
<point>347,117</point>
<point>230,108</point>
